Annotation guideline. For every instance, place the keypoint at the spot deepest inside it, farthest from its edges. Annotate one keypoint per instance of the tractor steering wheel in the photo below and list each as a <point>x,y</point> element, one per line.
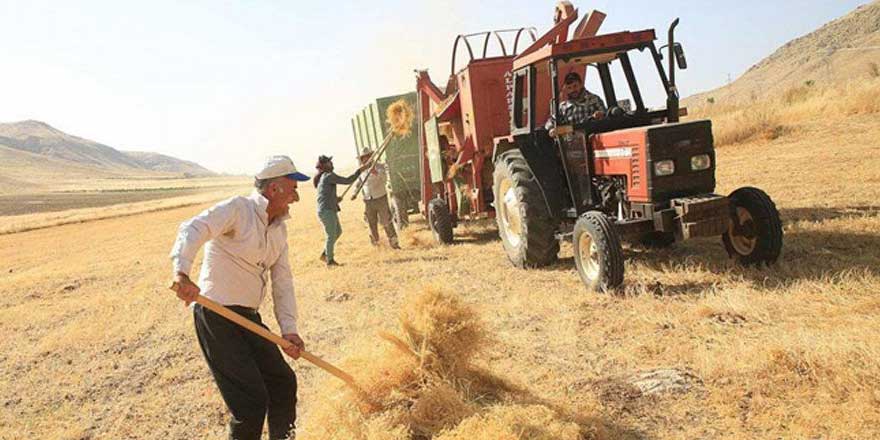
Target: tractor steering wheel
<point>615,112</point>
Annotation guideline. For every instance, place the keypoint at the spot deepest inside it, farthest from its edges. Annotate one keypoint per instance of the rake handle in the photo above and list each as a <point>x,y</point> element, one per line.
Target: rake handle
<point>376,154</point>
<point>271,337</point>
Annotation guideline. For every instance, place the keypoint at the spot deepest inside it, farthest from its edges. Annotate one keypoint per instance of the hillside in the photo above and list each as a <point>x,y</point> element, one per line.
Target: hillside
<point>41,138</point>
<point>843,51</point>
<point>167,164</point>
<point>23,171</point>
<point>60,150</point>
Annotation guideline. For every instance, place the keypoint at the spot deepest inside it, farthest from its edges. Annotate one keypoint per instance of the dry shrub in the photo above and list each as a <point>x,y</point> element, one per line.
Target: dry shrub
<point>750,124</point>
<point>399,117</point>
<point>795,95</point>
<point>423,384</point>
<point>515,422</point>
<point>862,98</point>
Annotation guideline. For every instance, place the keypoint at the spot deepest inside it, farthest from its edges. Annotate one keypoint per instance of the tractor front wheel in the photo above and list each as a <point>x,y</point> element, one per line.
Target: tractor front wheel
<point>527,230</point>
<point>440,220</point>
<point>598,255</point>
<point>754,236</point>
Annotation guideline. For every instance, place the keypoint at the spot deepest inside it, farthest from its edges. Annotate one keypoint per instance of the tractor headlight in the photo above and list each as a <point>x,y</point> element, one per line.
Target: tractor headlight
<point>701,162</point>
<point>664,168</point>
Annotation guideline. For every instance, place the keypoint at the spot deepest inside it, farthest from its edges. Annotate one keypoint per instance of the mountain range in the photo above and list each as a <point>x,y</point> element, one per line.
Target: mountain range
<point>30,137</point>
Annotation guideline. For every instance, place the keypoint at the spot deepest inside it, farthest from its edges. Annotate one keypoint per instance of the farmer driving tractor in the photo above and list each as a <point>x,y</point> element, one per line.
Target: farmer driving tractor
<point>577,105</point>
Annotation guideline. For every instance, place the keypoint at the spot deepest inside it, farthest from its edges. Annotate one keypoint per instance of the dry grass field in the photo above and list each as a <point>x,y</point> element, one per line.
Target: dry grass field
<point>93,345</point>
<point>87,199</point>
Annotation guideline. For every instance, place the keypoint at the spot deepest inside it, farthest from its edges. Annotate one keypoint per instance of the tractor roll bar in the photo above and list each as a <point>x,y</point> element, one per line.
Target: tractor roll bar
<point>487,35</point>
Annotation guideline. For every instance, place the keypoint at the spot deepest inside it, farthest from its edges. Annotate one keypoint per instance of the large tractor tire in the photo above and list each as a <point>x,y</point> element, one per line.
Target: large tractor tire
<point>399,214</point>
<point>440,220</point>
<point>526,228</point>
<point>598,255</point>
<point>755,233</point>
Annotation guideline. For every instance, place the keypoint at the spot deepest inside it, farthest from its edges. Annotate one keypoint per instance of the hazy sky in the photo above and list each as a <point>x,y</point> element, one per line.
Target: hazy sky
<point>225,83</point>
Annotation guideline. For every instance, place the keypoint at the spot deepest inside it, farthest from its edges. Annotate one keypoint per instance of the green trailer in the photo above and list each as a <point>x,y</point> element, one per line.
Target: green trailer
<point>401,157</point>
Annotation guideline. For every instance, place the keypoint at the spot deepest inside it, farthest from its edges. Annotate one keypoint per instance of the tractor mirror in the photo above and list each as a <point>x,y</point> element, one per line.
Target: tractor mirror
<point>679,56</point>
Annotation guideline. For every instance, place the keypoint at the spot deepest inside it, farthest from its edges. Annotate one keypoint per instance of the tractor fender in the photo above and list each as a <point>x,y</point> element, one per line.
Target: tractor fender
<point>502,144</point>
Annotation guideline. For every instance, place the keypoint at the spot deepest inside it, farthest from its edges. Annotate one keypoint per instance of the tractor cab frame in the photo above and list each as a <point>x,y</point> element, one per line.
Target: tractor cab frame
<point>636,173</point>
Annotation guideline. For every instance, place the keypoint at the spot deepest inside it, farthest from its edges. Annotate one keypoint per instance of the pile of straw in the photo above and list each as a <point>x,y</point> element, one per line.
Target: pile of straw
<point>421,384</point>
<point>399,117</point>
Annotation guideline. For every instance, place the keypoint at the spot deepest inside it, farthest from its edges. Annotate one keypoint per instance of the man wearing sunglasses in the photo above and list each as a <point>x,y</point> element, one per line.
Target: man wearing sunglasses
<point>245,246</point>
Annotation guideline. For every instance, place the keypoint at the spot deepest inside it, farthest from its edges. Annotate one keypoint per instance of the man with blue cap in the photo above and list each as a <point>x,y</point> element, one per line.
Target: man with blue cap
<point>245,242</point>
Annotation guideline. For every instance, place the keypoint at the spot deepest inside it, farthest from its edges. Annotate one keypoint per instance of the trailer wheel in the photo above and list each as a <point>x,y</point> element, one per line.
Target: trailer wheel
<point>440,220</point>
<point>526,229</point>
<point>399,214</point>
<point>598,255</point>
<point>657,240</point>
<point>754,236</point>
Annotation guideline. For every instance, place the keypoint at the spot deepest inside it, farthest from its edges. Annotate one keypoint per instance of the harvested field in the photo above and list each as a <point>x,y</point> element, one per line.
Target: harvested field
<point>62,201</point>
<point>94,346</point>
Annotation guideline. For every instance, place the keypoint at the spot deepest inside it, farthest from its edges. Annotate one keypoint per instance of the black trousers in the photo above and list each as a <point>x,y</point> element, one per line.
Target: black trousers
<point>251,374</point>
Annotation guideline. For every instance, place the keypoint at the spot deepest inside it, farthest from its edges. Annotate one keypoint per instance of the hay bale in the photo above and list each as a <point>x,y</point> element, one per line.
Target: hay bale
<point>437,407</point>
<point>399,117</point>
<point>422,384</point>
<point>514,422</point>
<point>442,330</point>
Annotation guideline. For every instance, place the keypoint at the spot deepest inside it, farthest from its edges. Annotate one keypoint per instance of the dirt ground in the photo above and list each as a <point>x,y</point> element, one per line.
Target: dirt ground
<point>18,204</point>
<point>94,346</point>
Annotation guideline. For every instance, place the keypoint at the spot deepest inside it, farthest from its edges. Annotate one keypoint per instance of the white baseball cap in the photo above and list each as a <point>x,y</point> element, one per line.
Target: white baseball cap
<point>277,166</point>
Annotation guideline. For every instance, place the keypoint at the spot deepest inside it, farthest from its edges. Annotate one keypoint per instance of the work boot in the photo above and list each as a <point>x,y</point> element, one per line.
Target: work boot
<point>332,263</point>
<point>323,257</point>
<point>394,245</point>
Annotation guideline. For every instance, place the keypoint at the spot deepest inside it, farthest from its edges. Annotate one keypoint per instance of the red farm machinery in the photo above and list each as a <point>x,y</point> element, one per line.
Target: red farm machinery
<point>632,173</point>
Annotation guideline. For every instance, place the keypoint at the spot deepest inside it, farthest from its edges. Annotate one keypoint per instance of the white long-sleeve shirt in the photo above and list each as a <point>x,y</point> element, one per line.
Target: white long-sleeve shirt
<point>374,187</point>
<point>241,253</point>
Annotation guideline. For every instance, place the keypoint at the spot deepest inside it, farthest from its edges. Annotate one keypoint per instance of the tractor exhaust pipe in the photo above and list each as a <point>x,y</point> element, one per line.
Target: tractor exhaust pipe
<point>672,94</point>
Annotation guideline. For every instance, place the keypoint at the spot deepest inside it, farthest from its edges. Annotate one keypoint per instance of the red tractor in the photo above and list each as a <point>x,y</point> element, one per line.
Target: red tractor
<point>632,173</point>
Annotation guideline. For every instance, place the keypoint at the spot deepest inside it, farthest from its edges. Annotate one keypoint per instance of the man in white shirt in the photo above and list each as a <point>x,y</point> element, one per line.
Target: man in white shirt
<point>376,201</point>
<point>245,245</point>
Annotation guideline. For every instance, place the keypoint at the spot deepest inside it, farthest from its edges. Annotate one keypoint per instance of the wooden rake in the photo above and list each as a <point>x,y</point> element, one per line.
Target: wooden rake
<point>277,340</point>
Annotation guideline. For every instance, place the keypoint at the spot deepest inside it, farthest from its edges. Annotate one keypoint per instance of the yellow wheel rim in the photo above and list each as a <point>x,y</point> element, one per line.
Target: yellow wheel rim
<point>742,244</point>
<point>589,256</point>
<point>511,220</point>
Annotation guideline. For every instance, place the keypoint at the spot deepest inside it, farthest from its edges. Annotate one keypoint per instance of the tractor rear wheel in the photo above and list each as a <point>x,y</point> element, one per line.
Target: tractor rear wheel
<point>598,255</point>
<point>754,236</point>
<point>440,220</point>
<point>526,228</point>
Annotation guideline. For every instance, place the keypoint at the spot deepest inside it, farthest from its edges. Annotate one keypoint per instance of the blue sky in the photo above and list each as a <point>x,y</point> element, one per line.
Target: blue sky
<point>226,83</point>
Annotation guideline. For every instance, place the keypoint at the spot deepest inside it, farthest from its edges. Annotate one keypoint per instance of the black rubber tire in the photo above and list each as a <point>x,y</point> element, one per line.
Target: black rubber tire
<point>657,240</point>
<point>608,252</point>
<point>537,245</point>
<point>399,214</point>
<point>766,226</point>
<point>440,220</point>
